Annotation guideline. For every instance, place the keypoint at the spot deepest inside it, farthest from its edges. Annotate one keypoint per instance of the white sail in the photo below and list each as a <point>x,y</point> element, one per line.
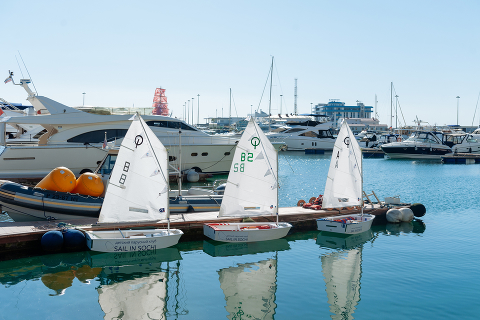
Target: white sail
<point>344,181</point>
<point>138,185</point>
<point>252,182</point>
<point>250,289</point>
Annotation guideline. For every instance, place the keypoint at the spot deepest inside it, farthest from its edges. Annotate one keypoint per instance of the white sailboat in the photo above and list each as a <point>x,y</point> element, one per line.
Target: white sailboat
<point>252,190</point>
<point>344,186</point>
<point>137,192</point>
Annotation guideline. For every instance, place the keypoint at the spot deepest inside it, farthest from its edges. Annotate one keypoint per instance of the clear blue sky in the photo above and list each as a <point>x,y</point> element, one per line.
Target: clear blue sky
<point>118,52</point>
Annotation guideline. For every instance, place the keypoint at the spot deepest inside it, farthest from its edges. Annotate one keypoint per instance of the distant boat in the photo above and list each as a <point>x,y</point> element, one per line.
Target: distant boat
<point>137,192</point>
<point>305,135</point>
<point>344,186</point>
<point>251,190</point>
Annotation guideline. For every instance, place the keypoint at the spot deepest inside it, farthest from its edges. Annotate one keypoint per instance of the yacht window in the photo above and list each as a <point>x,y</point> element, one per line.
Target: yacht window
<point>422,135</point>
<point>294,130</point>
<point>170,125</point>
<point>309,134</point>
<point>325,134</point>
<point>204,154</point>
<point>98,136</point>
<point>107,165</point>
<point>40,133</point>
<point>194,154</point>
<point>172,158</point>
<point>226,153</point>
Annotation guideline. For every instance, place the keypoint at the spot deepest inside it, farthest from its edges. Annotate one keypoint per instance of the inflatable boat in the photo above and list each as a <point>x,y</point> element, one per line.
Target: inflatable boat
<point>23,203</point>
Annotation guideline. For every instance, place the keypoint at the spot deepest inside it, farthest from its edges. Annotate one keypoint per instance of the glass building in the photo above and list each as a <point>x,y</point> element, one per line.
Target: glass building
<point>336,109</point>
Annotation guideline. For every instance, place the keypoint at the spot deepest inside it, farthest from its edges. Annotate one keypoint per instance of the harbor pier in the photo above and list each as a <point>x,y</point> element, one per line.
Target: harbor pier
<point>23,238</point>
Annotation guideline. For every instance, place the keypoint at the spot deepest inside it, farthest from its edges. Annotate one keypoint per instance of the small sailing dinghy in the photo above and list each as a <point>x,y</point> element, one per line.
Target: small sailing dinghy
<point>137,192</point>
<point>252,190</point>
<point>344,186</point>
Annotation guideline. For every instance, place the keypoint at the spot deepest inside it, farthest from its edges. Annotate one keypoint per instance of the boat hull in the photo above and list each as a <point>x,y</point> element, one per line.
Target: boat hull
<point>27,204</point>
<point>23,204</point>
<point>400,150</point>
<point>246,232</point>
<point>132,240</point>
<point>336,225</point>
<point>299,144</point>
<point>35,162</point>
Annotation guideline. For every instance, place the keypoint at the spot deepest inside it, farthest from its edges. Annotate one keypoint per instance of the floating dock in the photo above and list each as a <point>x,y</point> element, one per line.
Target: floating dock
<point>23,238</point>
<point>461,158</point>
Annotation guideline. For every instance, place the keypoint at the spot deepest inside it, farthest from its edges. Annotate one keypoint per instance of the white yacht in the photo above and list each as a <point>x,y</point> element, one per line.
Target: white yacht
<point>305,135</point>
<point>420,145</point>
<point>432,145</point>
<point>75,139</point>
<point>462,142</point>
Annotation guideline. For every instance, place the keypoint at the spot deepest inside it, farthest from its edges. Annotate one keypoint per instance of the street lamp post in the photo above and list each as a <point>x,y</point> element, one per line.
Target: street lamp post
<point>281,96</point>
<point>83,99</point>
<point>198,109</point>
<point>458,100</point>
<point>193,121</point>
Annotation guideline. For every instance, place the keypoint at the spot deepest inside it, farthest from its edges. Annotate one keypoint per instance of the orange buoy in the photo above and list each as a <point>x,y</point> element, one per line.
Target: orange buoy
<point>89,184</point>
<point>59,179</point>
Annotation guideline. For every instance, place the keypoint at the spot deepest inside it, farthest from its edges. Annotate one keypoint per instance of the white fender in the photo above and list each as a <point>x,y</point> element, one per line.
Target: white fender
<point>407,214</point>
<point>394,216</point>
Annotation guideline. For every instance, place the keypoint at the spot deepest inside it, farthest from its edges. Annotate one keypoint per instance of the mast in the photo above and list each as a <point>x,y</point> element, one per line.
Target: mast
<point>278,187</point>
<point>391,103</point>
<point>270,101</point>
<point>180,163</point>
<point>361,179</point>
<point>230,111</point>
<point>295,98</point>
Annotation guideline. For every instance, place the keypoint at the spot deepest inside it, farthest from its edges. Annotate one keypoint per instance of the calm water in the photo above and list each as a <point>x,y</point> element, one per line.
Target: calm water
<point>422,270</point>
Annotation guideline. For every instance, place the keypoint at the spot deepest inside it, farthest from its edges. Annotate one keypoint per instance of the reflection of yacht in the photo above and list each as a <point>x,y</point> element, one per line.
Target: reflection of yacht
<point>304,135</point>
<point>342,271</point>
<point>74,139</point>
<point>250,289</point>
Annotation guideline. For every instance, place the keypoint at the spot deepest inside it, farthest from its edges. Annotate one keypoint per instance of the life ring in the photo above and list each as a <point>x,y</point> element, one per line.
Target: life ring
<point>399,139</point>
<point>300,203</point>
<point>312,200</point>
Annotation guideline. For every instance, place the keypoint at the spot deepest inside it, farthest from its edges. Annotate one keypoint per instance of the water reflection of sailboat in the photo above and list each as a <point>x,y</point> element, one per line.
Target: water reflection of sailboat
<point>250,289</point>
<point>138,285</point>
<point>342,270</point>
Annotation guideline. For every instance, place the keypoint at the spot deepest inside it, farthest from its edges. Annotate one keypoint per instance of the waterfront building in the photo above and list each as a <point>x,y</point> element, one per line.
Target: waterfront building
<point>336,109</point>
